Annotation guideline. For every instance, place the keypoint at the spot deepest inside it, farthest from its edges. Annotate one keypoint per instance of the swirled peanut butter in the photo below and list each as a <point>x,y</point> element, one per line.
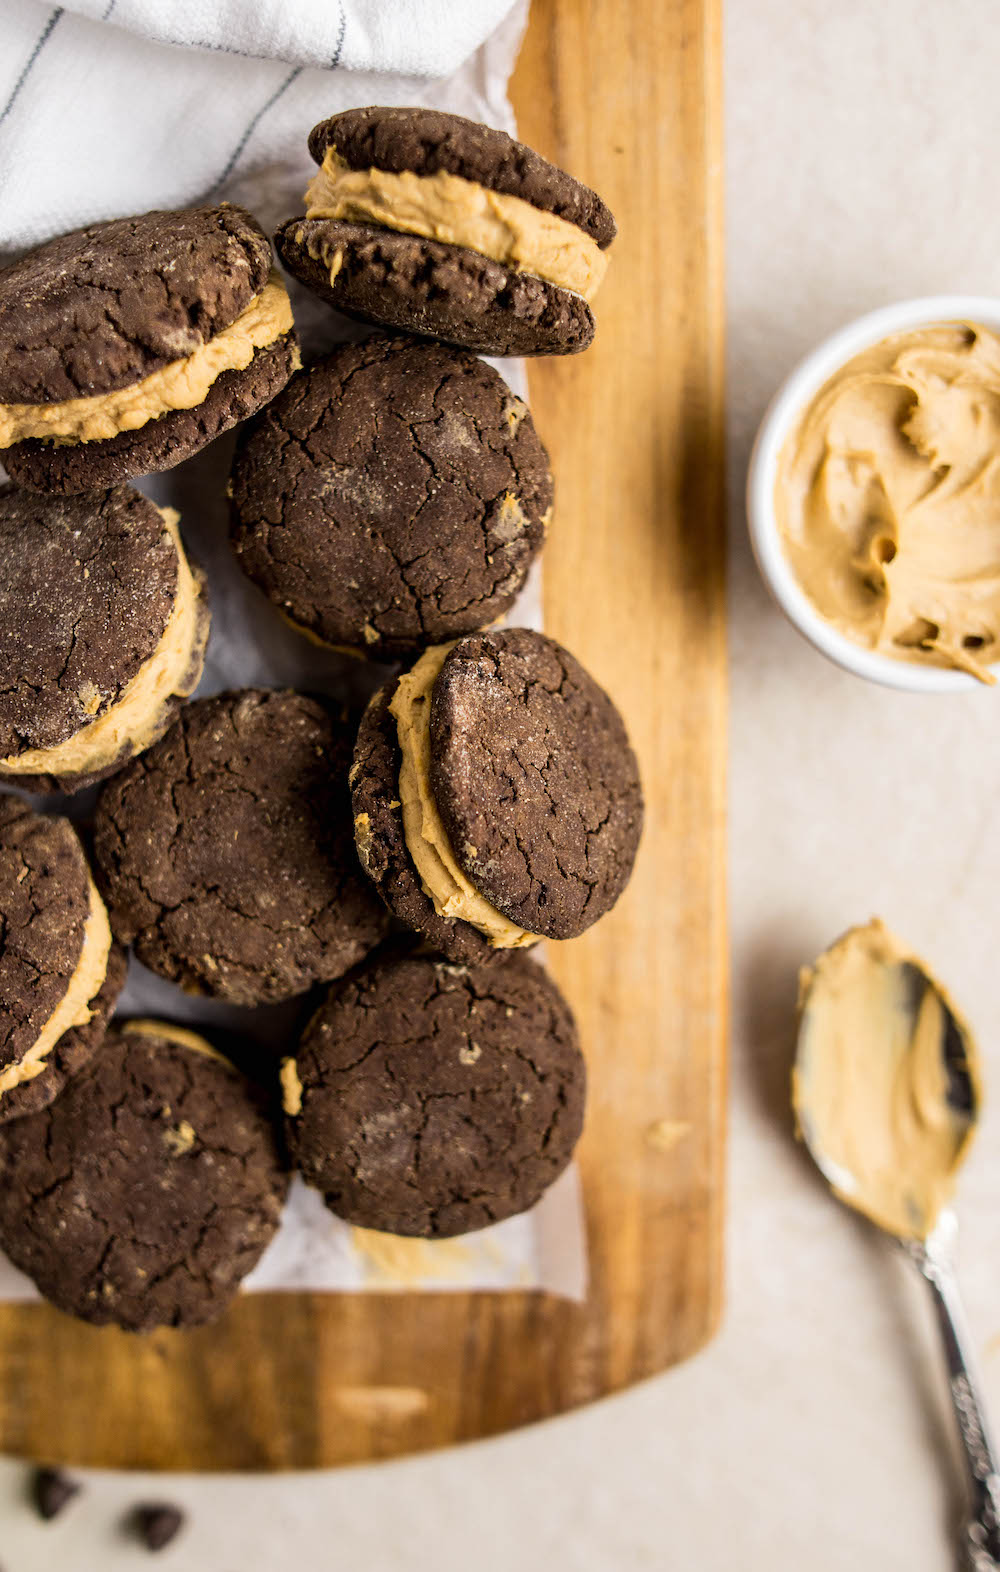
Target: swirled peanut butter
<point>886,1083</point>
<point>888,498</point>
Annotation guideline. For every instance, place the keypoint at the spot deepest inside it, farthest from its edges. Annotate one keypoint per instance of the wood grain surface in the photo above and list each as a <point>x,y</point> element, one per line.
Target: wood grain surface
<point>625,94</point>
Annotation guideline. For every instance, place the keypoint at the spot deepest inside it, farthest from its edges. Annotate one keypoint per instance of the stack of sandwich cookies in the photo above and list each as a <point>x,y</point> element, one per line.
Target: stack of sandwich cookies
<point>393,495</point>
<point>149,1190</point>
<point>103,626</point>
<point>496,797</point>
<point>125,347</point>
<point>430,1099</point>
<point>60,971</point>
<point>437,225</point>
<point>225,851</point>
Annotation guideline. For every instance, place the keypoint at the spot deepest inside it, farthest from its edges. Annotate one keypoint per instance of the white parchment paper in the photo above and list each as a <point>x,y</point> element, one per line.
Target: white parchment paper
<point>250,645</point>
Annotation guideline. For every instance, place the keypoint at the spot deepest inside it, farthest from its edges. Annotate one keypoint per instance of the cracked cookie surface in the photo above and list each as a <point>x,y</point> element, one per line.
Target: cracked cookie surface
<point>437,1099</point>
<point>225,851</point>
<point>87,585</point>
<point>393,495</point>
<point>534,778</point>
<point>440,291</point>
<point>44,906</point>
<point>147,1191</point>
<point>105,306</point>
<point>428,140</point>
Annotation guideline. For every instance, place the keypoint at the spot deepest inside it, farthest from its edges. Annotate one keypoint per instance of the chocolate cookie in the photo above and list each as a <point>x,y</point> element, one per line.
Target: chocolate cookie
<point>60,973</point>
<point>128,345</point>
<point>394,495</point>
<point>225,851</point>
<point>431,1099</point>
<point>429,222</point>
<point>514,809</point>
<point>103,626</point>
<point>146,1194</point>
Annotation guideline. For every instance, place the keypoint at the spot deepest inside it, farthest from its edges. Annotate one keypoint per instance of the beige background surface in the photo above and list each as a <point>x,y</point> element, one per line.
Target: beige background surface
<point>862,143</point>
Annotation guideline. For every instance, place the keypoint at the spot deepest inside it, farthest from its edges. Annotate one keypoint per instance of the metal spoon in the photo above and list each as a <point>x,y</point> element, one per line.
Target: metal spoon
<point>912,1009</point>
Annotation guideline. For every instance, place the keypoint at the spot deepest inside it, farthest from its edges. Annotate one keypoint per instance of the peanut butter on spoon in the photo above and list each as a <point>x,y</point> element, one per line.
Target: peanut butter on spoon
<point>886,1081</point>
<point>886,1091</point>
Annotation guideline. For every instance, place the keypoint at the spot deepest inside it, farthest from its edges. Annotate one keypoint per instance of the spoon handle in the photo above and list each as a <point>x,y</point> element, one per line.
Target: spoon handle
<point>934,1261</point>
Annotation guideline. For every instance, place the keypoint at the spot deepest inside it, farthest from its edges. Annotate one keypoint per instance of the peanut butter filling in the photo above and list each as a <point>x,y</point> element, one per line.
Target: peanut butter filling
<point>73,1008</point>
<point>178,1035</point>
<point>453,894</point>
<point>871,1085</point>
<point>183,384</point>
<point>136,718</point>
<point>291,1088</point>
<point>888,498</point>
<point>460,212</point>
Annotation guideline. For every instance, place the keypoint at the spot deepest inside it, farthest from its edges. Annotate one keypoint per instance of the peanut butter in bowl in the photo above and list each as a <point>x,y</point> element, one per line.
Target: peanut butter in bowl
<point>887,497</point>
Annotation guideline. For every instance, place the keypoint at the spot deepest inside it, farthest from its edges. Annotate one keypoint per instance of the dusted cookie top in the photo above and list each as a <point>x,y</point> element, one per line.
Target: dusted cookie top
<point>225,851</point>
<point>425,141</point>
<point>392,496</point>
<point>102,307</point>
<point>55,945</point>
<point>430,1099</point>
<point>148,1190</point>
<point>534,779</point>
<point>101,621</point>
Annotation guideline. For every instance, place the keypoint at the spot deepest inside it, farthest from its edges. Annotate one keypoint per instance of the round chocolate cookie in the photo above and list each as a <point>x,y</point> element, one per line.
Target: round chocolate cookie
<point>432,223</point>
<point>128,345</point>
<point>60,973</point>
<point>149,1190</point>
<point>103,626</point>
<point>431,1099</point>
<point>394,495</point>
<point>225,851</point>
<point>521,778</point>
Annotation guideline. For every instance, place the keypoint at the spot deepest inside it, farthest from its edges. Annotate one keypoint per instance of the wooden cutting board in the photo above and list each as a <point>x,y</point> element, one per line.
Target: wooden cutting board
<point>626,94</point>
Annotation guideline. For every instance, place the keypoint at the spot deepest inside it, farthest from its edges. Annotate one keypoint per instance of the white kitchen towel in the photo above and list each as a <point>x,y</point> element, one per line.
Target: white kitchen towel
<point>101,113</point>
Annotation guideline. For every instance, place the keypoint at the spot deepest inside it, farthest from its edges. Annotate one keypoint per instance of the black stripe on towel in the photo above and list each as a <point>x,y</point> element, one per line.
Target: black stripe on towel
<point>43,39</point>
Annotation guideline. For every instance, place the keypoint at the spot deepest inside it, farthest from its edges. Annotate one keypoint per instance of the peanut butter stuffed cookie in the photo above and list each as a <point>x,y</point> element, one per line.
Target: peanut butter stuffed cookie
<point>127,346</point>
<point>103,624</point>
<point>145,1195</point>
<point>432,223</point>
<point>496,797</point>
<point>393,495</point>
<point>60,971</point>
<point>431,1099</point>
<point>225,851</point>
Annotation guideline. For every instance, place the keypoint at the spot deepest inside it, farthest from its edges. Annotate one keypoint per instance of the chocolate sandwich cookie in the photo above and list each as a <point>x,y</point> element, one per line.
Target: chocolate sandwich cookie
<point>225,851</point>
<point>496,797</point>
<point>103,625</point>
<point>393,495</point>
<point>428,222</point>
<point>146,1194</point>
<point>60,972</point>
<point>127,346</point>
<point>432,1099</point>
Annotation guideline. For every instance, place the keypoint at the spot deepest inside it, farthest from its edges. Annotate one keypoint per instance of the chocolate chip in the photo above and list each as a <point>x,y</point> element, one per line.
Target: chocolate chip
<point>158,1523</point>
<point>51,1491</point>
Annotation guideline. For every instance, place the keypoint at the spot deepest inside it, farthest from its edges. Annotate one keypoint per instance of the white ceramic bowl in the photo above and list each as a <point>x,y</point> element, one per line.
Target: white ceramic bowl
<point>805,381</point>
